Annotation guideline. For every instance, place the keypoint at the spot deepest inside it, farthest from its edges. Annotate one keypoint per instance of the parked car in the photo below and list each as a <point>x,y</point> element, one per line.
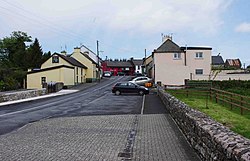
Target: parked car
<point>120,73</point>
<point>107,74</point>
<point>128,87</point>
<point>136,75</point>
<point>141,80</point>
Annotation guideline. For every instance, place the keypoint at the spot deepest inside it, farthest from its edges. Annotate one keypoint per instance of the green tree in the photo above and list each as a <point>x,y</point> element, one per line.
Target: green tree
<point>46,56</point>
<point>34,55</point>
<point>16,57</point>
<point>13,49</point>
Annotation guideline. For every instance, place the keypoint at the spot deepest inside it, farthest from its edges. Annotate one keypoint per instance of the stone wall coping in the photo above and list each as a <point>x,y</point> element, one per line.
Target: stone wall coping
<point>210,139</point>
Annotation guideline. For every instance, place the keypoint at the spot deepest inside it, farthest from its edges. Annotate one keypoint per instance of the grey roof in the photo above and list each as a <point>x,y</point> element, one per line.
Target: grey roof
<point>217,60</point>
<point>119,64</point>
<point>168,46</point>
<point>137,62</point>
<point>72,61</point>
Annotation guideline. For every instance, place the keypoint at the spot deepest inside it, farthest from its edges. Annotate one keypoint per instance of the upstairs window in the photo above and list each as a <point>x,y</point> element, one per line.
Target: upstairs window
<point>177,55</point>
<point>199,71</point>
<point>199,55</point>
<point>55,59</point>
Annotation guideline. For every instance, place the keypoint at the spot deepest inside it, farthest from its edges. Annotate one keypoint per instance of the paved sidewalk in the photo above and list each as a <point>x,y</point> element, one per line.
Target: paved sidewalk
<point>115,137</point>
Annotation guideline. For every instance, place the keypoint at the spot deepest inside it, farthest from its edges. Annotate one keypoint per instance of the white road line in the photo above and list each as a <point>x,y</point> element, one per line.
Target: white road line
<point>70,98</point>
<point>143,103</point>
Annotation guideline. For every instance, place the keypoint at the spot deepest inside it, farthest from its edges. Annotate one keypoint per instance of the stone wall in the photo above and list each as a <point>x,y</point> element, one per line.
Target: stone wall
<point>211,140</point>
<point>5,97</point>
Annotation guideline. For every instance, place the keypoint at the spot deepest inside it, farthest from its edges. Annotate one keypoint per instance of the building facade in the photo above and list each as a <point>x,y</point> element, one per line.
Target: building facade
<point>117,67</point>
<point>58,68</point>
<point>173,65</point>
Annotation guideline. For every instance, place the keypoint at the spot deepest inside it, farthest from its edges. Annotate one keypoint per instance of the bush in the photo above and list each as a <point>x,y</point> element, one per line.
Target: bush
<point>2,85</point>
<point>226,84</point>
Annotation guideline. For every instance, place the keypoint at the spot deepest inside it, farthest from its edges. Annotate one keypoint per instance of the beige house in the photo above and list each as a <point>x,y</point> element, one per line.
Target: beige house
<point>172,65</point>
<point>148,66</point>
<point>86,59</point>
<point>58,68</point>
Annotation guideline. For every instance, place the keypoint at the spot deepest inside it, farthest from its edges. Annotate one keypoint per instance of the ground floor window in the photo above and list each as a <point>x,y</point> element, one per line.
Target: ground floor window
<point>43,80</point>
<point>199,71</point>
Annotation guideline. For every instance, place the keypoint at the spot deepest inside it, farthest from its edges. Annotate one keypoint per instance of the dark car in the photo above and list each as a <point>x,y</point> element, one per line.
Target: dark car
<point>128,87</point>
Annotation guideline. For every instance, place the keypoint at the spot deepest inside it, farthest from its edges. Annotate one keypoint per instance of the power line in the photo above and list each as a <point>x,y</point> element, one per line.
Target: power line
<point>55,29</point>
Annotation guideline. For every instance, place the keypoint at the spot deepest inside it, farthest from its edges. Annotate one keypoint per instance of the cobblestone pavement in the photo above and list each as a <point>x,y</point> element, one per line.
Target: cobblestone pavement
<point>113,137</point>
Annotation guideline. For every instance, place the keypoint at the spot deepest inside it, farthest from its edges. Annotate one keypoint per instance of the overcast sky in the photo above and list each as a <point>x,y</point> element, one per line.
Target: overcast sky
<point>125,28</point>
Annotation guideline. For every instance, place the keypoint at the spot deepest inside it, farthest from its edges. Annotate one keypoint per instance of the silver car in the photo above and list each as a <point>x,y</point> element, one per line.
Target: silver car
<point>141,80</point>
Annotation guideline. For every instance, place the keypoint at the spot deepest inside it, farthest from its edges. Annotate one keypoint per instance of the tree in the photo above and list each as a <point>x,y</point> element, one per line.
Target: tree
<point>34,55</point>
<point>16,57</point>
<point>13,49</point>
<point>46,56</point>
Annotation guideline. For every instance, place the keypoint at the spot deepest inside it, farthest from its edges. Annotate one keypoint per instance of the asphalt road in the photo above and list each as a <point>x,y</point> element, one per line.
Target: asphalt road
<point>96,100</point>
<point>109,127</point>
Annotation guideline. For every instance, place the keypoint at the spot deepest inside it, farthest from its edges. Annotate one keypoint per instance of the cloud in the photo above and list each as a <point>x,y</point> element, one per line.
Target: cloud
<point>144,16</point>
<point>243,27</point>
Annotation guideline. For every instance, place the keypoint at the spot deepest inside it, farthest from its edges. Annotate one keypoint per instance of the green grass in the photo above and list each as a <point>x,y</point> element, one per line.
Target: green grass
<point>219,112</point>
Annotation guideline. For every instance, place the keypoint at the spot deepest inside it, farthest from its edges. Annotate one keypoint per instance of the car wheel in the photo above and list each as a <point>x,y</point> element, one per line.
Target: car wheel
<point>141,92</point>
<point>117,92</point>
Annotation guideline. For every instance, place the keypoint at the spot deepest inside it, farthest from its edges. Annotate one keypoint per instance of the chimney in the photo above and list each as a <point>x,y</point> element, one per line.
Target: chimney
<point>64,53</point>
<point>77,50</point>
<point>166,37</point>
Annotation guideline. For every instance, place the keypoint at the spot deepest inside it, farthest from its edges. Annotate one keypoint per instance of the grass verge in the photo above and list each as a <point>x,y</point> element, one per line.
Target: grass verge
<point>221,113</point>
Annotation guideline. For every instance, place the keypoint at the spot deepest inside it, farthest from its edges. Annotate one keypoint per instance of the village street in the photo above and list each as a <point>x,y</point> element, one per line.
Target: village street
<point>92,124</point>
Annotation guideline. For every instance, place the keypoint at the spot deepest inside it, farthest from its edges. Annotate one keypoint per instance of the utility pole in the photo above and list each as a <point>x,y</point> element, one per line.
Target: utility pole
<point>98,73</point>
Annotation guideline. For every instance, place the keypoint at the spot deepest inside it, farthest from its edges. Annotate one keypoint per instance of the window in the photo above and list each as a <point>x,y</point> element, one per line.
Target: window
<point>43,80</point>
<point>55,59</point>
<point>198,71</point>
<point>199,55</point>
<point>177,55</point>
<point>76,70</point>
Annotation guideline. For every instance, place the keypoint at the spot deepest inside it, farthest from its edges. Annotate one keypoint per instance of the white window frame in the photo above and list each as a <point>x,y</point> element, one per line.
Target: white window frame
<point>55,59</point>
<point>43,80</point>
<point>199,55</point>
<point>177,55</point>
<point>199,73</point>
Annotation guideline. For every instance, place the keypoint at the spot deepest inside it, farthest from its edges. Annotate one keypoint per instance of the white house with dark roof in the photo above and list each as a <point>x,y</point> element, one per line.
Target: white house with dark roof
<point>138,63</point>
<point>172,64</point>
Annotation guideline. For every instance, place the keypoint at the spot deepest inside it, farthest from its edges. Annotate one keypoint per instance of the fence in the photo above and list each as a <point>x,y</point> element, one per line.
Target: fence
<point>219,96</point>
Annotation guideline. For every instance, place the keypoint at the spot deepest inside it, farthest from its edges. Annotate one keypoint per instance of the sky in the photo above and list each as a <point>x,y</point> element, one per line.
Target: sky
<point>125,28</point>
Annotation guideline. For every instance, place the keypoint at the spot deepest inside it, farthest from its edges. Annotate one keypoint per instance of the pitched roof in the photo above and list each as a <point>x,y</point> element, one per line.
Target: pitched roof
<point>137,61</point>
<point>50,68</point>
<point>168,46</point>
<point>233,62</point>
<point>217,60</point>
<point>119,64</point>
<point>88,57</point>
<point>72,61</point>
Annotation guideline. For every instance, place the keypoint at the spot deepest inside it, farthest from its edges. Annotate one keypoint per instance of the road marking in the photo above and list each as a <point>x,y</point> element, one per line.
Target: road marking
<point>70,98</point>
<point>143,103</point>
